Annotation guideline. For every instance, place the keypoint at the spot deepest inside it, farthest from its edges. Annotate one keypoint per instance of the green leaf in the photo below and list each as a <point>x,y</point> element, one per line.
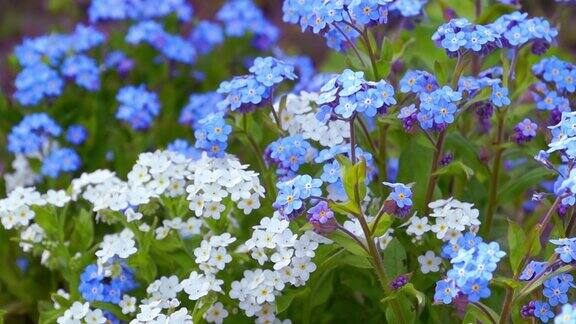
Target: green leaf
<point>83,233</point>
<point>479,313</point>
<point>456,168</point>
<point>517,244</point>
<point>516,186</point>
<point>386,55</point>
<point>394,258</point>
<point>202,305</point>
<point>383,225</point>
<point>441,72</point>
<point>348,243</point>
<point>283,301</point>
<point>46,218</point>
<point>345,208</point>
<point>353,178</point>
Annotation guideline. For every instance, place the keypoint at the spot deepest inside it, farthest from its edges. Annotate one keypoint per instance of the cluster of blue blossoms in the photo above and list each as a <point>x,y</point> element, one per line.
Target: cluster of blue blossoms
<point>106,285</point>
<point>43,57</point>
<point>34,136</point>
<point>212,135</point>
<point>103,10</point>
<point>138,106</point>
<point>183,147</point>
<point>198,107</point>
<point>349,94</point>
<point>243,17</point>
<point>174,47</point>
<point>246,93</point>
<point>438,106</point>
<point>473,263</point>
<point>557,83</point>
<point>514,30</point>
<point>288,154</point>
<point>556,289</point>
<point>338,21</point>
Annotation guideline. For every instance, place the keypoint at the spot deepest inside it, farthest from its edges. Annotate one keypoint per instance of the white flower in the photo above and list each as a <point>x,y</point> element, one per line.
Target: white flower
<point>429,262</point>
<point>418,226</point>
<point>259,255</point>
<point>303,267</point>
<point>282,258</point>
<point>196,204</point>
<point>149,312</point>
<point>213,209</point>
<point>192,226</point>
<point>222,240</point>
<point>247,205</point>
<point>203,252</point>
<point>196,286</point>
<point>304,247</point>
<point>385,239</point>
<point>128,304</point>
<point>58,198</point>
<point>131,215</point>
<point>440,228</point>
<point>79,310</point>
<point>219,257</point>
<point>95,317</point>
<point>216,313</point>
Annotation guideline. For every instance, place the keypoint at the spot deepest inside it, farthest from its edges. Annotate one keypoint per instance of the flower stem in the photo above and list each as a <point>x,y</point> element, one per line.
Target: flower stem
<point>352,141</point>
<point>494,176</point>
<point>433,178</point>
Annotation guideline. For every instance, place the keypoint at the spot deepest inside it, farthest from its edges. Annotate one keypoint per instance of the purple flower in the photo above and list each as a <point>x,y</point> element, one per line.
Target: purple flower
<point>320,213</point>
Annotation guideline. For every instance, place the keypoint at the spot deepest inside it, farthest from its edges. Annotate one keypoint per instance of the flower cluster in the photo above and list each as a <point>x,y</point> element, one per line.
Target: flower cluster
<point>473,264</point>
<point>452,217</point>
<point>288,154</point>
<point>556,289</point>
<point>246,93</point>
<point>299,117</point>
<point>241,17</point>
<point>349,94</point>
<point>81,311</point>
<point>338,21</point>
<point>106,284</point>
<point>174,47</point>
<point>272,241</point>
<point>138,106</point>
<point>101,10</point>
<point>42,57</point>
<point>198,107</point>
<point>512,31</point>
<point>212,135</point>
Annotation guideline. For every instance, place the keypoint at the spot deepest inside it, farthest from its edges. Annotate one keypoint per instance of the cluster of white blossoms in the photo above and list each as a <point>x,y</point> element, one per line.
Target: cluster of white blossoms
<point>81,313</point>
<point>120,245</point>
<point>23,175</point>
<point>207,181</point>
<point>451,218</point>
<point>210,187</point>
<point>290,256</point>
<point>299,117</point>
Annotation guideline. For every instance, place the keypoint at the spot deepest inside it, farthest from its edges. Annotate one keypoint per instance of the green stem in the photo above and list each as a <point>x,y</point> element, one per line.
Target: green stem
<point>371,54</point>
<point>494,176</point>
<point>433,178</point>
<point>382,151</point>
